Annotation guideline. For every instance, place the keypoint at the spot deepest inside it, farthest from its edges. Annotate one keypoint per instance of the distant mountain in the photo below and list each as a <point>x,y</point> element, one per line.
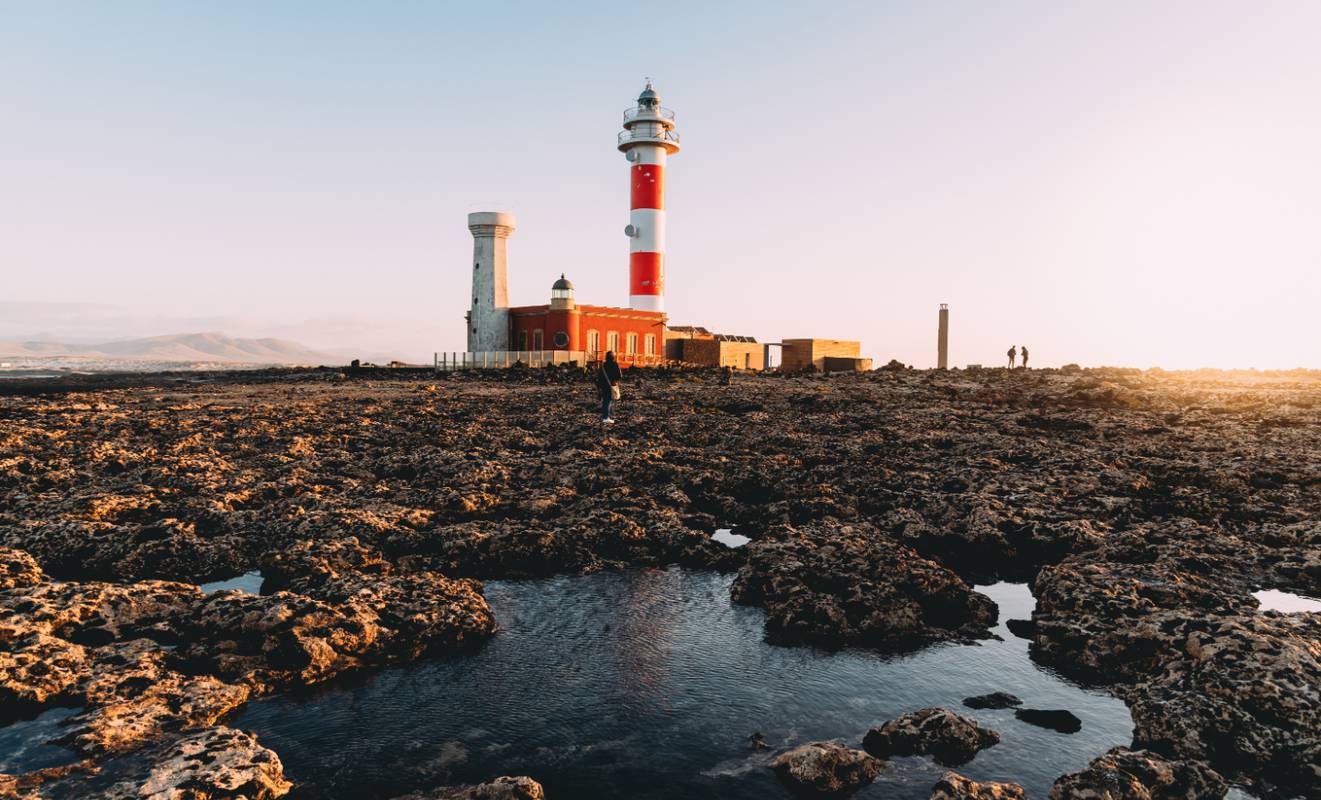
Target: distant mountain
<point>178,347</point>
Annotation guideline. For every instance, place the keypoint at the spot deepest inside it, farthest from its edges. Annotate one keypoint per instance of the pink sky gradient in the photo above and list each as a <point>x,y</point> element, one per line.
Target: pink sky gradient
<point>1119,183</point>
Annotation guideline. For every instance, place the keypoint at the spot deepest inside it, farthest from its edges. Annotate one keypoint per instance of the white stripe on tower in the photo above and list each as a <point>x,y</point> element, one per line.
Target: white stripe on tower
<point>646,250</point>
<point>647,140</point>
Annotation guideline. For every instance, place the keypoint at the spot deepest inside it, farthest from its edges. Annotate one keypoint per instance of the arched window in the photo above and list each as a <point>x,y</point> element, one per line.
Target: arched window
<point>649,344</point>
<point>538,339</point>
<point>593,343</point>
<point>632,344</point>
<point>612,341</point>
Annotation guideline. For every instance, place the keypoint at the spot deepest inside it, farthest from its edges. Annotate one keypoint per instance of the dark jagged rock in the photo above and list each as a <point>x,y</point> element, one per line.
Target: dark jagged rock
<point>1056,719</point>
<point>1124,774</point>
<point>992,700</point>
<point>953,786</point>
<point>1145,506</point>
<point>1207,676</point>
<point>826,769</point>
<point>950,738</point>
<point>503,788</point>
<point>832,584</point>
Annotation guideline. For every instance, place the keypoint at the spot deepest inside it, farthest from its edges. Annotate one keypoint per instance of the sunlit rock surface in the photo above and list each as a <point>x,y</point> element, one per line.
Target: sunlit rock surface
<point>1146,508</point>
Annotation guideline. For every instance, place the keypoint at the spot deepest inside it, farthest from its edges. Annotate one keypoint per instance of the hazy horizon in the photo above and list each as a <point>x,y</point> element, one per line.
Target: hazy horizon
<point>1123,184</point>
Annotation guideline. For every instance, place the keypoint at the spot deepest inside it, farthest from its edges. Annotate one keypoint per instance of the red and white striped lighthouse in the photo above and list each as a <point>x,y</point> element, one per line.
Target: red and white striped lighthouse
<point>647,140</point>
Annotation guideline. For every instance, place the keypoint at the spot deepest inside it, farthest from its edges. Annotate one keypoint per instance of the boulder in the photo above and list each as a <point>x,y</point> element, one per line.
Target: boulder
<point>826,769</point>
<point>950,738</point>
<point>953,786</point>
<point>1057,719</point>
<point>502,788</point>
<point>992,700</point>
<point>831,585</point>
<point>1124,774</point>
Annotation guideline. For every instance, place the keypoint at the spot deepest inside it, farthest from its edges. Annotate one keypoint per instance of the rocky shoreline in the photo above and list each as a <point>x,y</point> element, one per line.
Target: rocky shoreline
<point>1144,508</point>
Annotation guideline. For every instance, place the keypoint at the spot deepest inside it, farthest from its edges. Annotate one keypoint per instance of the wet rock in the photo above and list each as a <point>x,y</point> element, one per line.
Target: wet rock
<point>503,788</point>
<point>1022,628</point>
<point>216,762</point>
<point>953,786</point>
<point>832,584</point>
<point>18,569</point>
<point>36,671</point>
<point>1124,774</point>
<point>275,640</point>
<point>826,769</point>
<point>992,700</point>
<point>171,704</point>
<point>950,738</point>
<point>1206,676</point>
<point>1055,719</point>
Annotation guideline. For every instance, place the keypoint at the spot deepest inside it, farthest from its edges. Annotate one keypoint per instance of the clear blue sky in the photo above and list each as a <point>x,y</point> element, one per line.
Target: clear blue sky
<point>1123,182</point>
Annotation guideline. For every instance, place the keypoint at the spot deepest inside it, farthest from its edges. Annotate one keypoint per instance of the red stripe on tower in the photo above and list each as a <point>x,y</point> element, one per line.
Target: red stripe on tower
<point>648,186</point>
<point>646,274</point>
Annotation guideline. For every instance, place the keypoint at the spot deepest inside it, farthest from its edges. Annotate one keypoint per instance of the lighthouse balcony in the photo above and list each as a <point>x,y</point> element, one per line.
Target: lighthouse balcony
<point>648,114</point>
<point>669,138</point>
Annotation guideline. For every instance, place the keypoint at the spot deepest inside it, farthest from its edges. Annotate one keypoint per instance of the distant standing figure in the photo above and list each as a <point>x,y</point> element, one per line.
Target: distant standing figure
<point>1013,353</point>
<point>1023,349</point>
<point>608,377</point>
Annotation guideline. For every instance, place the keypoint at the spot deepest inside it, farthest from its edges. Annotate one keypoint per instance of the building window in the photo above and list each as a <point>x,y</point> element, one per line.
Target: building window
<point>612,341</point>
<point>593,342</point>
<point>522,340</point>
<point>561,339</point>
<point>632,344</point>
<point>537,339</point>
<point>650,344</point>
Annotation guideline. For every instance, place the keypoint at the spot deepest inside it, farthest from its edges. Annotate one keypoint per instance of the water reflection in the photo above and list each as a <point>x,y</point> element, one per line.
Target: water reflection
<point>647,684</point>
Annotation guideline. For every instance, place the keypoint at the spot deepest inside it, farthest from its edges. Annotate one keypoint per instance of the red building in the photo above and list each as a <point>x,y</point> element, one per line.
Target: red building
<point>636,337</point>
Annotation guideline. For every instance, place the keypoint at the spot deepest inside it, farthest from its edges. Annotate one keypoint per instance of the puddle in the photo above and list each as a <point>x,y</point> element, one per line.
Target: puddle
<point>23,745</point>
<point>728,539</point>
<point>248,583</point>
<point>1275,600</point>
<point>647,684</point>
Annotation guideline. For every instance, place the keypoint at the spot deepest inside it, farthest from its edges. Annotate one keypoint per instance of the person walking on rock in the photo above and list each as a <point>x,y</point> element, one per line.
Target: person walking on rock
<point>1023,350</point>
<point>1013,353</point>
<point>608,377</point>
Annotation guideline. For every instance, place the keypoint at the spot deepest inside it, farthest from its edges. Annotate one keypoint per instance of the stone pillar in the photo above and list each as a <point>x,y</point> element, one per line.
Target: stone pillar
<point>942,338</point>
<point>488,312</point>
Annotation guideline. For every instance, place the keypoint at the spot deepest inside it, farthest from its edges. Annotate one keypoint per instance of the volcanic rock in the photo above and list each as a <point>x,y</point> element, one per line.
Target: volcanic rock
<point>1056,719</point>
<point>831,584</point>
<point>826,769</point>
<point>953,786</point>
<point>950,738</point>
<point>216,762</point>
<point>1123,774</point>
<point>502,788</point>
<point>992,700</point>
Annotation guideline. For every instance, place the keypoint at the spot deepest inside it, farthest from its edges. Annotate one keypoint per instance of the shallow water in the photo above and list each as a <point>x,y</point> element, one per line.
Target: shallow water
<point>1276,600</point>
<point>23,745</point>
<point>729,538</point>
<point>646,684</point>
<point>248,583</point>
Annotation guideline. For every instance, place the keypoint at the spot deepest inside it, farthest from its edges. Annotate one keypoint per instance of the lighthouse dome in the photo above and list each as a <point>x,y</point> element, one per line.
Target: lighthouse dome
<point>649,96</point>
<point>562,285</point>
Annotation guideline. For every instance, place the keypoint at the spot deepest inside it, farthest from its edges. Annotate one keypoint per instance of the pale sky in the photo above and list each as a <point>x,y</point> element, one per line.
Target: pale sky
<point>1133,183</point>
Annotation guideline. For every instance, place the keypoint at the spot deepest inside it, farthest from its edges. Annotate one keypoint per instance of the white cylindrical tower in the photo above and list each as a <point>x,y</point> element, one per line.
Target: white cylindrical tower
<point>488,316</point>
<point>647,139</point>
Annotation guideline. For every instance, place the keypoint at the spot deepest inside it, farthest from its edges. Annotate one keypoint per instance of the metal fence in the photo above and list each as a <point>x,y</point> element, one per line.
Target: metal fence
<point>503,359</point>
